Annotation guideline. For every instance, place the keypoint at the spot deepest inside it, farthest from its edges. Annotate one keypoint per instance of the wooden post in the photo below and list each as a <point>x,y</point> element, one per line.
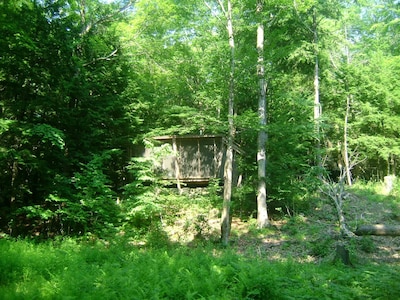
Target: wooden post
<point>176,163</point>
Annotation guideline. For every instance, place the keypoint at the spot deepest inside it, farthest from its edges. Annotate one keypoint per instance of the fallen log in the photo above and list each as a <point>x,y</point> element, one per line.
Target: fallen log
<point>378,229</point>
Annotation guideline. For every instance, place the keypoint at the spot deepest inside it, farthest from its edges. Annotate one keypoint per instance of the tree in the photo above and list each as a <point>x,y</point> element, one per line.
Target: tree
<point>228,168</point>
<point>340,60</point>
<point>314,30</point>
<point>289,65</point>
<point>262,214</point>
<point>361,77</point>
<point>61,109</point>
<point>82,81</point>
<point>175,57</point>
<point>379,108</point>
<point>314,16</point>
<point>317,101</point>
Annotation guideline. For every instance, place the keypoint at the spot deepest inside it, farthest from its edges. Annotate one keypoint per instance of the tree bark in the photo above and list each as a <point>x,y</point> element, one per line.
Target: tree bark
<point>225,216</point>
<point>228,168</point>
<point>346,122</point>
<point>337,193</point>
<point>343,255</point>
<point>345,142</point>
<point>317,104</point>
<point>262,213</point>
<point>14,173</point>
<point>87,26</point>
<point>378,229</point>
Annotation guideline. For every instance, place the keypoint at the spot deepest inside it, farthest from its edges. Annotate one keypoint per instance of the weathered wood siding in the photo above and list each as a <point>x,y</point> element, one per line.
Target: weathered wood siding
<point>197,159</point>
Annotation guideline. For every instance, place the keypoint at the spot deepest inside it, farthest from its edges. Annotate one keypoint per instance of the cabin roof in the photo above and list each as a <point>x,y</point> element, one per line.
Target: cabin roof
<point>236,146</point>
<point>203,136</point>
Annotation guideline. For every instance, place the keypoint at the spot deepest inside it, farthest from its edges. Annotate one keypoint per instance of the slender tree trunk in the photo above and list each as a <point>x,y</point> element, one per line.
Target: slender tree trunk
<point>317,104</point>
<point>393,163</point>
<point>228,168</point>
<point>346,122</point>
<point>262,213</point>
<point>345,146</point>
<point>14,173</point>
<point>226,217</point>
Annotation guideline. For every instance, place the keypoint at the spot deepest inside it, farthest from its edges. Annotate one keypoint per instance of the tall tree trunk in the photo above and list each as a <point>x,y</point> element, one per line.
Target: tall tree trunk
<point>346,122</point>
<point>317,104</point>
<point>262,213</point>
<point>228,168</point>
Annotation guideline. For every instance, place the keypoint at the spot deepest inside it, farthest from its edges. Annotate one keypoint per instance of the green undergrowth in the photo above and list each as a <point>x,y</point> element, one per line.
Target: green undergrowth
<point>68,269</point>
<point>375,192</point>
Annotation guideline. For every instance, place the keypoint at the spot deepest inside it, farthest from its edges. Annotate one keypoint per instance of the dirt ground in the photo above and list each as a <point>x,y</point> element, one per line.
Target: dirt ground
<point>304,238</point>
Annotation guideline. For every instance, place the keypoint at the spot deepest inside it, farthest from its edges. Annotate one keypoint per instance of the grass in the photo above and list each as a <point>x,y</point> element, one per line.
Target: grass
<point>179,260</point>
<point>75,270</point>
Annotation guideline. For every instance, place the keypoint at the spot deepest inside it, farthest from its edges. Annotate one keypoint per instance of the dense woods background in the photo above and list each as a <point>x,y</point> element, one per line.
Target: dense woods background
<point>84,82</point>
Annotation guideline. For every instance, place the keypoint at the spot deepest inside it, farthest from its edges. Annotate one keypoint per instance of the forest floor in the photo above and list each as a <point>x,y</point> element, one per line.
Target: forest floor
<point>183,258</point>
<point>309,237</point>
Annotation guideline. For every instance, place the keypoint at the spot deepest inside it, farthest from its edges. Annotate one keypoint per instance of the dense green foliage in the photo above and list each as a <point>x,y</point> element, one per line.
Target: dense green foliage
<point>83,83</point>
<point>86,84</point>
<point>150,265</point>
<point>64,126</point>
<point>65,269</point>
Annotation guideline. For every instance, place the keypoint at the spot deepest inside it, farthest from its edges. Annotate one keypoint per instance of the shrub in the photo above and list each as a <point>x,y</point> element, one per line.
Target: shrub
<point>367,244</point>
<point>321,247</point>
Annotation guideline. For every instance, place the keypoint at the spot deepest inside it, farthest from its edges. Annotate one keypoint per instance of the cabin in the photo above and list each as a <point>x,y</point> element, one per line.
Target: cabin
<point>193,159</point>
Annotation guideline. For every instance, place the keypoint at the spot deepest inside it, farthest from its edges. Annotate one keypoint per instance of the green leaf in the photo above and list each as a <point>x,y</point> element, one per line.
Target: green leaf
<point>48,134</point>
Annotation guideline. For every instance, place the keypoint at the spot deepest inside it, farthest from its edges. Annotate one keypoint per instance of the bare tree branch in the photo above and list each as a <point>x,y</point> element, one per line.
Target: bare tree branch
<point>107,57</point>
<point>222,7</point>
<point>210,8</point>
<point>90,25</point>
<point>337,193</point>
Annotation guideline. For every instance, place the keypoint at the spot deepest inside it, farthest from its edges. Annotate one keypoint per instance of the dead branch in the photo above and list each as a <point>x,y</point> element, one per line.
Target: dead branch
<point>337,193</point>
<point>105,18</point>
<point>107,57</point>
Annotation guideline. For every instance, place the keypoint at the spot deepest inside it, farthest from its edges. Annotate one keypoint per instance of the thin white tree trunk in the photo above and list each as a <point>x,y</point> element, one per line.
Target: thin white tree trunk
<point>262,213</point>
<point>346,122</point>
<point>345,143</point>
<point>317,103</point>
